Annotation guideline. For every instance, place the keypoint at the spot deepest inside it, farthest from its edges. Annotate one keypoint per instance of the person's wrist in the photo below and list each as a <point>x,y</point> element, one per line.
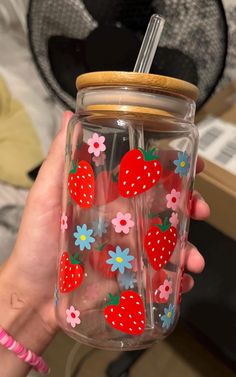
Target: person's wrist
<point>20,316</point>
<point>22,322</point>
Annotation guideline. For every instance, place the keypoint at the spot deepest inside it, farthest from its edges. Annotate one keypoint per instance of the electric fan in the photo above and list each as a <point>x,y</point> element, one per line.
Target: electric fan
<point>70,37</point>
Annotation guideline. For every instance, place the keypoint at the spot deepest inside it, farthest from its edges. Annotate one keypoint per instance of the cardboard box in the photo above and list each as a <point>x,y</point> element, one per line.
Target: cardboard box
<point>217,183</point>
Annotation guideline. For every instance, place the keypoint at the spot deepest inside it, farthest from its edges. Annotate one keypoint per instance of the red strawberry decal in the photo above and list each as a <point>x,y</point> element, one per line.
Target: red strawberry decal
<point>160,242</point>
<point>126,313</point>
<point>98,260</point>
<point>71,273</point>
<point>139,171</point>
<point>81,184</point>
<point>106,188</point>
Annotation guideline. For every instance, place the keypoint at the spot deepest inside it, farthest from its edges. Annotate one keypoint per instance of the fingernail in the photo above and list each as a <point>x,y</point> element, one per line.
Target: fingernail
<point>65,119</point>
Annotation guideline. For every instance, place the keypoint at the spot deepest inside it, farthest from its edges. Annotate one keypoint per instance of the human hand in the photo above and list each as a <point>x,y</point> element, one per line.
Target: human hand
<point>31,269</point>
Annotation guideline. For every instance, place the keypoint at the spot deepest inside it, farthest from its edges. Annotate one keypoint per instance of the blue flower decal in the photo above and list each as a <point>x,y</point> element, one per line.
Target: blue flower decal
<point>127,280</point>
<point>120,259</point>
<point>168,317</point>
<point>99,227</point>
<point>182,164</point>
<point>83,237</point>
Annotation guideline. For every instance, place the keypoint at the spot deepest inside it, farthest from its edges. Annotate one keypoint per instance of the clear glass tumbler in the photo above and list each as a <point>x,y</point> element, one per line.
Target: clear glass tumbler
<point>129,171</point>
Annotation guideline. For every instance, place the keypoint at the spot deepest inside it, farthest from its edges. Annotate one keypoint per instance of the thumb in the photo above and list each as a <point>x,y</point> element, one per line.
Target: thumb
<point>43,207</point>
<point>50,177</point>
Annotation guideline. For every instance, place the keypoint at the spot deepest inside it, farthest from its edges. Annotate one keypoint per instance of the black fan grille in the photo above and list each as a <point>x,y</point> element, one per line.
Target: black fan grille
<point>193,45</point>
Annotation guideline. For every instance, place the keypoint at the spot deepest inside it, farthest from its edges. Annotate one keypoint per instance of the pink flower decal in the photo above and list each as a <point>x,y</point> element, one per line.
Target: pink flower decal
<point>165,290</point>
<point>72,316</point>
<point>174,220</point>
<point>173,199</point>
<point>96,145</point>
<point>64,224</point>
<point>100,160</point>
<point>122,222</point>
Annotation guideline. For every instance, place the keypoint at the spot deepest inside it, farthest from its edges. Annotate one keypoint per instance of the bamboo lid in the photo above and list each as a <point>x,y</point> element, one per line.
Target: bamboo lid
<point>141,80</point>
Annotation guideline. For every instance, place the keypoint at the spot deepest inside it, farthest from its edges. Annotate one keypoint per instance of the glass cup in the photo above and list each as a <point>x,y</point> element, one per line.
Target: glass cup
<point>129,172</point>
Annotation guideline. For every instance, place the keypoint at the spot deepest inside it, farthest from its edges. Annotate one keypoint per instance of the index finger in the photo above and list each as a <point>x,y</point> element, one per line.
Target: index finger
<point>200,165</point>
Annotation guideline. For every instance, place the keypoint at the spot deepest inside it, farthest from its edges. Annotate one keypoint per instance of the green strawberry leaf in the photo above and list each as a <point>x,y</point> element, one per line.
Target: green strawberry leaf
<point>74,167</point>
<point>149,155</point>
<point>113,300</point>
<point>165,226</point>
<point>74,259</point>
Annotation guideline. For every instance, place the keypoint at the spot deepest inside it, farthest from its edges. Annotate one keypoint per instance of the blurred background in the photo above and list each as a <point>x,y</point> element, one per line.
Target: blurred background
<point>44,45</point>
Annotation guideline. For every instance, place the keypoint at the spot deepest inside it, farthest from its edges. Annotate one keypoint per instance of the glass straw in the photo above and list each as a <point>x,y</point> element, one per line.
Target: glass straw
<point>149,44</point>
<point>136,138</point>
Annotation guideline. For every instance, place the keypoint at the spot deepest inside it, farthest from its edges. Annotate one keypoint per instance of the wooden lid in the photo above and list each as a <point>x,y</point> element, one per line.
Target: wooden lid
<point>141,80</point>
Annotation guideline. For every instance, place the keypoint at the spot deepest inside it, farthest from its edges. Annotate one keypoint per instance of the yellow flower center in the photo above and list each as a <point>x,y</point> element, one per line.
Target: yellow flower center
<point>169,314</point>
<point>119,259</point>
<point>83,237</point>
<point>182,164</point>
